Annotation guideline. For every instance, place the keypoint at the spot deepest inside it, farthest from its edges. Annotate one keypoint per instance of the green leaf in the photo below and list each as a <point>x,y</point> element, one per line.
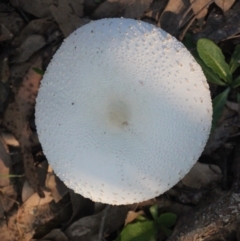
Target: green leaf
<point>39,71</point>
<point>154,211</point>
<point>235,59</point>
<point>218,104</point>
<point>139,231</point>
<point>211,76</point>
<point>236,82</point>
<point>213,57</point>
<point>141,218</point>
<point>167,219</point>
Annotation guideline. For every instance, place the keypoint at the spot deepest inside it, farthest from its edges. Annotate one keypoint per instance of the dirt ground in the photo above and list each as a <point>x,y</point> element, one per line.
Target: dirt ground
<point>34,203</point>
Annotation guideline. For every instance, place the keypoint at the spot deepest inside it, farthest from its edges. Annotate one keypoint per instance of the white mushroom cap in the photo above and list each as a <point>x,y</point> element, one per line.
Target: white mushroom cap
<point>123,112</point>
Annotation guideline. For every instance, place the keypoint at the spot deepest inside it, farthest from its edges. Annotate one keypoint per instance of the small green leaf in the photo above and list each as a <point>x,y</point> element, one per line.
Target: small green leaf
<point>211,76</point>
<point>141,218</point>
<point>236,82</point>
<point>139,231</point>
<point>218,104</point>
<point>154,211</point>
<point>213,57</point>
<point>167,219</point>
<point>39,71</point>
<point>235,59</point>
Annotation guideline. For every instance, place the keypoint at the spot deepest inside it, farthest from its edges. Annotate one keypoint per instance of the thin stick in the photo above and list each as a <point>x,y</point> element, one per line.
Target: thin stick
<point>101,229</point>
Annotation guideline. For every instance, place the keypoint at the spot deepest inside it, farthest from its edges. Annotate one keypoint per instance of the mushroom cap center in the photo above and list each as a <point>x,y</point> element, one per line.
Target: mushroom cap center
<point>118,114</point>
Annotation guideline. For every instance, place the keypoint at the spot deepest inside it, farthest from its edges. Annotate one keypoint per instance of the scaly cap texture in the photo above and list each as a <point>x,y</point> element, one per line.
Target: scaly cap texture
<point>123,112</point>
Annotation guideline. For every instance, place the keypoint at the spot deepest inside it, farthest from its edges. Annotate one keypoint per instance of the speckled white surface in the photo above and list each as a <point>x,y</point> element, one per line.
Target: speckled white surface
<point>123,111</point>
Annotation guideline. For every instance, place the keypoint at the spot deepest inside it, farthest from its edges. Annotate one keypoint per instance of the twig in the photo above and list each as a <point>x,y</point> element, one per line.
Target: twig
<point>102,225</point>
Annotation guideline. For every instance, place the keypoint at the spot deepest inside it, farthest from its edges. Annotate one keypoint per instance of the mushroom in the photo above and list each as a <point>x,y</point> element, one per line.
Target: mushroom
<point>123,111</point>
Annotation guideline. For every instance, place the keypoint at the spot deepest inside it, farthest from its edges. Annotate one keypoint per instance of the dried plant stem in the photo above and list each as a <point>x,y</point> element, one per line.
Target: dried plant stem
<point>102,225</point>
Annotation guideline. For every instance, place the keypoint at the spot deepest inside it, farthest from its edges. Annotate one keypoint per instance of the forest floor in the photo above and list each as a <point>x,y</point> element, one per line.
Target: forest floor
<point>34,203</point>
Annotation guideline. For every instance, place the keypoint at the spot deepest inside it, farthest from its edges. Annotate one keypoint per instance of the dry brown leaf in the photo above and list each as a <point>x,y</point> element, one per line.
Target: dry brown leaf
<point>201,175</point>
<point>35,27</point>
<point>80,206</point>
<point>67,20</point>
<point>18,71</point>
<point>56,186</point>
<point>224,4</point>
<point>132,215</point>
<point>9,230</point>
<point>77,7</point>
<point>8,196</point>
<point>4,95</point>
<point>5,7</point>
<point>233,106</point>
<point>155,9</point>
<point>227,126</point>
<point>4,69</point>
<point>87,227</point>
<point>4,80</point>
<point>39,9</point>
<point>175,7</point>
<point>98,207</point>
<point>200,7</point>
<point>219,27</point>
<point>9,139</point>
<point>41,169</point>
<point>174,16</point>
<point>5,33</point>
<point>31,45</point>
<point>5,164</point>
<point>36,201</point>
<point>34,212</point>
<point>122,8</point>
<point>27,191</point>
<point>54,235</point>
<point>16,119</point>
<point>13,22</point>
<point>8,193</point>
<point>238,233</point>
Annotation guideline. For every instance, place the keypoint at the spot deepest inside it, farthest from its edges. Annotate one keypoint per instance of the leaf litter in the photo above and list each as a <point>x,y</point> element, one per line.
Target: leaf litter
<point>34,203</point>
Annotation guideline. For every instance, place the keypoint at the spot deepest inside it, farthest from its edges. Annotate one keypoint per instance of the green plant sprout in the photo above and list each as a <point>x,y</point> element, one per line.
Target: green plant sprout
<point>146,229</point>
<point>38,71</point>
<point>217,70</point>
<point>10,175</point>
